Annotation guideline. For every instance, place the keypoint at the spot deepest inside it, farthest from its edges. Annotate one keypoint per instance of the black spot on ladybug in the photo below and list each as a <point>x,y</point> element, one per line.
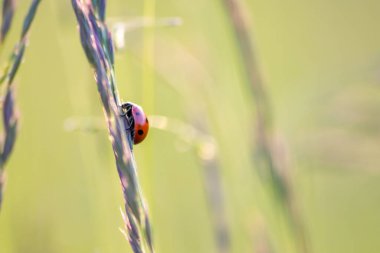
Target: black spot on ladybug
<point>140,132</point>
<point>137,114</point>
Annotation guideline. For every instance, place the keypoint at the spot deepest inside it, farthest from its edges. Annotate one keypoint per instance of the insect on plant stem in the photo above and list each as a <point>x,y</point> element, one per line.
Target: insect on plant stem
<point>97,44</point>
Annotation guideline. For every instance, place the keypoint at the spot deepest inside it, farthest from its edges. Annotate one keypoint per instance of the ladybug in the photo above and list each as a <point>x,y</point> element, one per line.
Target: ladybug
<point>137,122</point>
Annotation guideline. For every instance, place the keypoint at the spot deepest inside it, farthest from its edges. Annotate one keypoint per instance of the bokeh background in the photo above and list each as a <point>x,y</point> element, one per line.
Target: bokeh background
<point>320,62</point>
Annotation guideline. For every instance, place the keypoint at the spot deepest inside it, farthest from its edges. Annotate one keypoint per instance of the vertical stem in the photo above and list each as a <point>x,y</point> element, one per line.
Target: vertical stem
<point>8,105</point>
<point>148,85</point>
<point>264,157</point>
<point>96,41</point>
<point>215,200</point>
<point>148,57</point>
<point>1,185</point>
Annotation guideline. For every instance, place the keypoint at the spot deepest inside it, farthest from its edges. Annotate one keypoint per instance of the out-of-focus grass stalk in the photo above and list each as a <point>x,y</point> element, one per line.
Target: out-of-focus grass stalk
<point>128,25</point>
<point>7,17</point>
<point>9,111</point>
<point>216,199</point>
<point>264,157</point>
<point>97,44</point>
<point>148,57</point>
<point>260,237</point>
<point>148,81</point>
<point>208,155</point>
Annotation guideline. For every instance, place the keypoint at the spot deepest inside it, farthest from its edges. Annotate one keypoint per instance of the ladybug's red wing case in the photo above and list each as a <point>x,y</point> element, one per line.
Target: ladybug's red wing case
<point>141,124</point>
<point>137,120</point>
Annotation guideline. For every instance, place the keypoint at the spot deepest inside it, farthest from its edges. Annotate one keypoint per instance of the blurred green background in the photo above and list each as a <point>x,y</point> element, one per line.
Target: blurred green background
<point>320,61</point>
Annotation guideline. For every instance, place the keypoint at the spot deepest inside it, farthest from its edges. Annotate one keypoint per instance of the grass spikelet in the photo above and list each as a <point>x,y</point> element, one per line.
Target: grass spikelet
<point>96,41</point>
<point>7,17</point>
<point>8,105</point>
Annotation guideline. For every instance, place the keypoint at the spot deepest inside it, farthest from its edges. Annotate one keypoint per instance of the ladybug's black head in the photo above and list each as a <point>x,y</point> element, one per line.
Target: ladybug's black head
<point>127,108</point>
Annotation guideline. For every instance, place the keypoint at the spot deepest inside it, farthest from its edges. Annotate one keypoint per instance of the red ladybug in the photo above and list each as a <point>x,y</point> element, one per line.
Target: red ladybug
<point>137,122</point>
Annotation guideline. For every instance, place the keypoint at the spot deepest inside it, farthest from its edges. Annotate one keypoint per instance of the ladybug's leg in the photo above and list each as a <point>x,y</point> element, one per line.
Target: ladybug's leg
<point>126,114</point>
<point>130,126</point>
<point>129,122</point>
